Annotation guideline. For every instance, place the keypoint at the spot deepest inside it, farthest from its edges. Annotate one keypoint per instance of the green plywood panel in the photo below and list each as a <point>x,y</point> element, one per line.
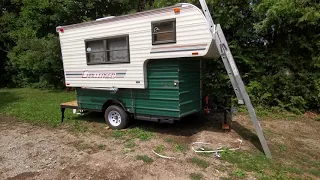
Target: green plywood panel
<point>162,97</point>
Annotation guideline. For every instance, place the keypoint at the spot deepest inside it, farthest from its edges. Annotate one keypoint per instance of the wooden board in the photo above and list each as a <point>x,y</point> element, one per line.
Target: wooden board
<point>71,105</point>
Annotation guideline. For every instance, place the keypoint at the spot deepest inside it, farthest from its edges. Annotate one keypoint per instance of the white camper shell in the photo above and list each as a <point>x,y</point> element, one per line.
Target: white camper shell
<point>113,52</point>
<point>146,65</point>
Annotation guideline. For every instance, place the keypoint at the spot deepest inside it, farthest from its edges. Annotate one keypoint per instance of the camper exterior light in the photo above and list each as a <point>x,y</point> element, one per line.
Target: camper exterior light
<point>176,10</point>
<point>60,29</point>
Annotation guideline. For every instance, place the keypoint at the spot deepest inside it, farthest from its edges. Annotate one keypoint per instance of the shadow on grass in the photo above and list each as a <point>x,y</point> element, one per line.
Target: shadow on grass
<point>7,98</point>
<point>96,117</point>
<point>247,134</point>
<point>186,127</point>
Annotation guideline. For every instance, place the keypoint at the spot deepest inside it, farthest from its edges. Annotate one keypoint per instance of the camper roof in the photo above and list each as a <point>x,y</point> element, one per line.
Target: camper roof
<point>117,18</point>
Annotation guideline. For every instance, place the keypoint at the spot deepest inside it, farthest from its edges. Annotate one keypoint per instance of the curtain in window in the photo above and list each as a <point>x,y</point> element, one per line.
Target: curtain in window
<point>95,50</point>
<point>118,49</point>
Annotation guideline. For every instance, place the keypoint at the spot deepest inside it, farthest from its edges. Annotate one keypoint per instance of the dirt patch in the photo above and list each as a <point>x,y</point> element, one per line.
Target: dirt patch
<point>33,152</point>
<point>25,175</point>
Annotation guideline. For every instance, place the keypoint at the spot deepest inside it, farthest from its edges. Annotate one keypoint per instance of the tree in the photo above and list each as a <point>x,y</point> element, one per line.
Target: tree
<point>291,30</point>
<point>275,43</point>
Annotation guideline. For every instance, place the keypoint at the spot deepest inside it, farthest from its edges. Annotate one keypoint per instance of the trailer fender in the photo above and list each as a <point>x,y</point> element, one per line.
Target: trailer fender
<point>113,102</point>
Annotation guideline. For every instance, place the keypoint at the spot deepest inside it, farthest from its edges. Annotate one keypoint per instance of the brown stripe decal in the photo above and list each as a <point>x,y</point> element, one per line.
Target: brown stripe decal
<point>179,46</point>
<point>193,47</point>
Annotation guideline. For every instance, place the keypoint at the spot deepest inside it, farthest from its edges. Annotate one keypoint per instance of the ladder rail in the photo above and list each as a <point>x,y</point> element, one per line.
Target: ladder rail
<point>207,14</point>
<point>233,73</point>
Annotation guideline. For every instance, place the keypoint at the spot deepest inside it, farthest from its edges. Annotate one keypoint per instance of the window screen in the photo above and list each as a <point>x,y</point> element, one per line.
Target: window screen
<point>111,50</point>
<point>164,32</point>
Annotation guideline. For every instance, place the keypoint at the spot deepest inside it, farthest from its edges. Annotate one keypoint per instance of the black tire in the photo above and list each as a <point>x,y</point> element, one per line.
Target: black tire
<point>112,114</point>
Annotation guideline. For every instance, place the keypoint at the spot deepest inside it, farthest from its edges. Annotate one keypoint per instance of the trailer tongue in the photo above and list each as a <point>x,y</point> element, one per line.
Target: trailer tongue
<point>233,73</point>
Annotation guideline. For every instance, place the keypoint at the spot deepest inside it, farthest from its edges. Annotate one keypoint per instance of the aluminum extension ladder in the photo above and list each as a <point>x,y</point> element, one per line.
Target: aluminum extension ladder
<point>232,70</point>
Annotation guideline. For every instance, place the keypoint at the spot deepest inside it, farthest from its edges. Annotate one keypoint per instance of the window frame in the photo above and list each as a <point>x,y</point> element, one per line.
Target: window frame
<point>174,21</point>
<point>106,50</point>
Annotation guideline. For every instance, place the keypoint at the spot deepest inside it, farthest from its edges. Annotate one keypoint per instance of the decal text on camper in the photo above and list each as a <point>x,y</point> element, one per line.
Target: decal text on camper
<point>87,74</point>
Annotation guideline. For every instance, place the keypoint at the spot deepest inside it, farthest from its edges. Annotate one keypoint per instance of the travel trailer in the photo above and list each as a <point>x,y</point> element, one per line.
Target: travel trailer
<point>147,65</point>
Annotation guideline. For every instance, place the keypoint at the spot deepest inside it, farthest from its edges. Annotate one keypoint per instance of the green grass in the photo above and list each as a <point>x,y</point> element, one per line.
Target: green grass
<point>159,149</point>
<point>246,161</point>
<point>169,140</point>
<point>196,176</point>
<point>263,168</point>
<point>144,158</point>
<point>293,170</point>
<point>283,148</point>
<point>79,127</point>
<point>317,119</point>
<point>140,134</point>
<point>274,113</point>
<point>182,148</point>
<point>130,144</point>
<point>239,173</point>
<point>199,162</point>
<point>315,172</point>
<point>40,107</point>
<point>133,133</point>
<point>118,134</point>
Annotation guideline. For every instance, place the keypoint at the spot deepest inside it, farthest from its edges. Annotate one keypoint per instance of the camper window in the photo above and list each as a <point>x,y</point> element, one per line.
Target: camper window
<point>108,50</point>
<point>163,32</point>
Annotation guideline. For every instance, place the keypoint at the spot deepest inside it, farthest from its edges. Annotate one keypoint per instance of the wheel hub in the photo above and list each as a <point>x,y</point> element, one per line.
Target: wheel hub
<point>114,118</point>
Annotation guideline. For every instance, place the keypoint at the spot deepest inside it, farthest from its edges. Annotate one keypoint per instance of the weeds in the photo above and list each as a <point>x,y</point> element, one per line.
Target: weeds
<point>159,149</point>
<point>102,146</point>
<point>180,148</point>
<point>117,134</point>
<point>239,173</point>
<point>169,140</point>
<point>246,161</point>
<point>144,158</point>
<point>283,148</point>
<point>293,170</point>
<point>196,176</point>
<point>79,128</point>
<point>264,168</point>
<point>140,134</point>
<point>276,113</point>
<point>199,162</point>
<point>130,144</point>
<point>315,172</point>
<point>133,133</point>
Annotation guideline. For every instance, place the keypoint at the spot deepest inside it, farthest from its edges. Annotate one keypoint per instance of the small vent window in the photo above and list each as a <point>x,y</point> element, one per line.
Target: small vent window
<point>109,50</point>
<point>164,32</point>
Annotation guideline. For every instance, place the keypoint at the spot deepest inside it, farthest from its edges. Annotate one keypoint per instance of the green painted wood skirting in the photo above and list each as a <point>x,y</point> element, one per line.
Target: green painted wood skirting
<point>162,97</point>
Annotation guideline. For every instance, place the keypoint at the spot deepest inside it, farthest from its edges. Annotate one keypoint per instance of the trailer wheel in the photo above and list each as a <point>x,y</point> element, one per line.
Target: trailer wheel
<point>116,117</point>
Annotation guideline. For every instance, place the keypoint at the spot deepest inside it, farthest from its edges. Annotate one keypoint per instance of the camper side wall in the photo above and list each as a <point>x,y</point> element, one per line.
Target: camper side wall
<point>174,91</point>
